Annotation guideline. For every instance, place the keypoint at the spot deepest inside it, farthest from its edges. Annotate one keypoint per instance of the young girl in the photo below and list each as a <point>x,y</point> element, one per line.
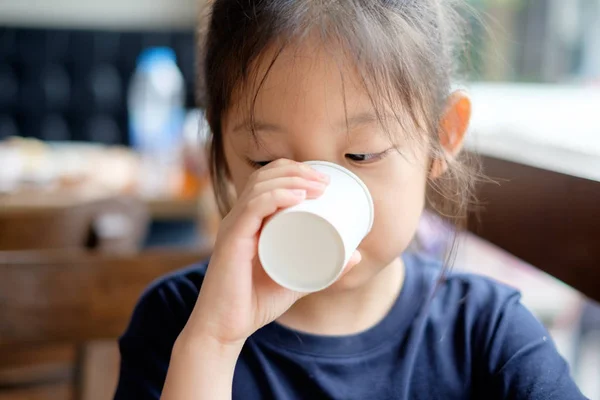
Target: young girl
<point>365,84</point>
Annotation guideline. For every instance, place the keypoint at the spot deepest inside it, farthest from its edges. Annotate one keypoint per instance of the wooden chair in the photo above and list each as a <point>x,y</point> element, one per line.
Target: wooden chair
<point>53,298</point>
<point>66,221</point>
<point>547,219</point>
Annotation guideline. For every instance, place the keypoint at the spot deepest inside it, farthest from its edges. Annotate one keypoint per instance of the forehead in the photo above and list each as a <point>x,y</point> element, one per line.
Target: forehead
<point>305,77</point>
<point>314,84</point>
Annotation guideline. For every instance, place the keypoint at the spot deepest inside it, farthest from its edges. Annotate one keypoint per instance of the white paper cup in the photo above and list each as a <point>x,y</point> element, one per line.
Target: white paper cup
<point>305,247</point>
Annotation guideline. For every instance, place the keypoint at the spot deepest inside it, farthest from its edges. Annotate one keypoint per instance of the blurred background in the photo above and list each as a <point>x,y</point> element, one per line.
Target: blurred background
<point>103,181</point>
<point>541,41</point>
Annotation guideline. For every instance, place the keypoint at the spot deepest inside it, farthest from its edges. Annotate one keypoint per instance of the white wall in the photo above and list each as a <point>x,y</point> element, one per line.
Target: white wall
<point>118,14</point>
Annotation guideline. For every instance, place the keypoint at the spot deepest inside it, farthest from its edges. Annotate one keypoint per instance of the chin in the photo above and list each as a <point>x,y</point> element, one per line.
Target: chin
<point>359,276</point>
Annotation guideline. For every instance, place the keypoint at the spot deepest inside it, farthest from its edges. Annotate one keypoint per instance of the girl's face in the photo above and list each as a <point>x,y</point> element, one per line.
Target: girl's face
<point>313,107</point>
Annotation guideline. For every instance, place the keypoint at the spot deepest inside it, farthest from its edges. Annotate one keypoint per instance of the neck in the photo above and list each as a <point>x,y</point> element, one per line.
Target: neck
<point>346,312</point>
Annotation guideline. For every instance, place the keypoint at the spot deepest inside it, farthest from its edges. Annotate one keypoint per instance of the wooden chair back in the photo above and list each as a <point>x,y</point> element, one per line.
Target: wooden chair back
<point>76,297</point>
<point>52,300</point>
<point>547,219</point>
<point>109,224</point>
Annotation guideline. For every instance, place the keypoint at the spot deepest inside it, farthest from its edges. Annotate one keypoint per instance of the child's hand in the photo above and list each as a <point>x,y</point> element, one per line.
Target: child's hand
<point>237,297</point>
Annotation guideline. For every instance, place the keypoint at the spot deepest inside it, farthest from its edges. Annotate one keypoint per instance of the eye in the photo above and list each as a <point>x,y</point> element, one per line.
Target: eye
<point>358,157</point>
<point>364,158</point>
<point>258,164</point>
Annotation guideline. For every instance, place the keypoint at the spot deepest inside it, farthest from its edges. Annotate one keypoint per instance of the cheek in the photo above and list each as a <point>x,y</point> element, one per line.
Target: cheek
<point>399,202</point>
<point>240,177</point>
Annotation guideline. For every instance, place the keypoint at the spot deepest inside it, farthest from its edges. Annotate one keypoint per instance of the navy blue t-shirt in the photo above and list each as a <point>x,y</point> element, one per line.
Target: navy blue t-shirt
<point>465,337</point>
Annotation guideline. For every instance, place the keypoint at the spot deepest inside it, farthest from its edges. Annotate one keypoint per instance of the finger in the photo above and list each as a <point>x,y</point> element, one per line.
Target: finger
<point>313,188</point>
<point>355,259</point>
<point>262,206</point>
<point>283,168</point>
<point>281,162</point>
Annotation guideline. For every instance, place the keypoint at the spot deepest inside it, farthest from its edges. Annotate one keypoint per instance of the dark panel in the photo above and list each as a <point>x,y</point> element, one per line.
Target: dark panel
<point>185,49</point>
<point>106,46</point>
<point>8,44</point>
<point>81,51</point>
<point>548,219</point>
<point>72,84</point>
<point>54,127</point>
<point>8,126</point>
<point>56,87</point>
<point>10,87</point>
<point>102,129</point>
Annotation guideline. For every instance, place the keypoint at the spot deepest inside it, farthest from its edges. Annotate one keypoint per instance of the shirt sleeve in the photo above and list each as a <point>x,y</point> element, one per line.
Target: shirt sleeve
<point>519,356</point>
<point>146,345</point>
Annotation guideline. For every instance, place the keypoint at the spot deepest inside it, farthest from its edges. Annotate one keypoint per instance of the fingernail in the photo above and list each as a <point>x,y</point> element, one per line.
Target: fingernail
<point>323,177</point>
<point>299,193</point>
<point>318,185</point>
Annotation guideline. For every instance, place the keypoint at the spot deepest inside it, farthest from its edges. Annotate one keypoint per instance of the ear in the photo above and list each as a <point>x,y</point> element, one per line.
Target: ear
<point>452,129</point>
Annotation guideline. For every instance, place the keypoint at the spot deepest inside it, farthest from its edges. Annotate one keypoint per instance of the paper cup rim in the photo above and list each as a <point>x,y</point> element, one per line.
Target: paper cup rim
<point>316,288</point>
<point>358,180</point>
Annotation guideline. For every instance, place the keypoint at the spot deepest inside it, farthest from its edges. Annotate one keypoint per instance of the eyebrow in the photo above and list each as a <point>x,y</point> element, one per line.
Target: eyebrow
<point>354,121</point>
<point>256,125</point>
<point>360,119</point>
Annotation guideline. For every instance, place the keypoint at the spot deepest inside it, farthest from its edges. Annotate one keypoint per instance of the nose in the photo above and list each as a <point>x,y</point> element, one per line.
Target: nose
<point>315,148</point>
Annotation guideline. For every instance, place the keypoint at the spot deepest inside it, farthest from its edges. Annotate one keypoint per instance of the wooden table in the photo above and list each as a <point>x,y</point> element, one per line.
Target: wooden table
<point>61,218</point>
<point>32,200</point>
